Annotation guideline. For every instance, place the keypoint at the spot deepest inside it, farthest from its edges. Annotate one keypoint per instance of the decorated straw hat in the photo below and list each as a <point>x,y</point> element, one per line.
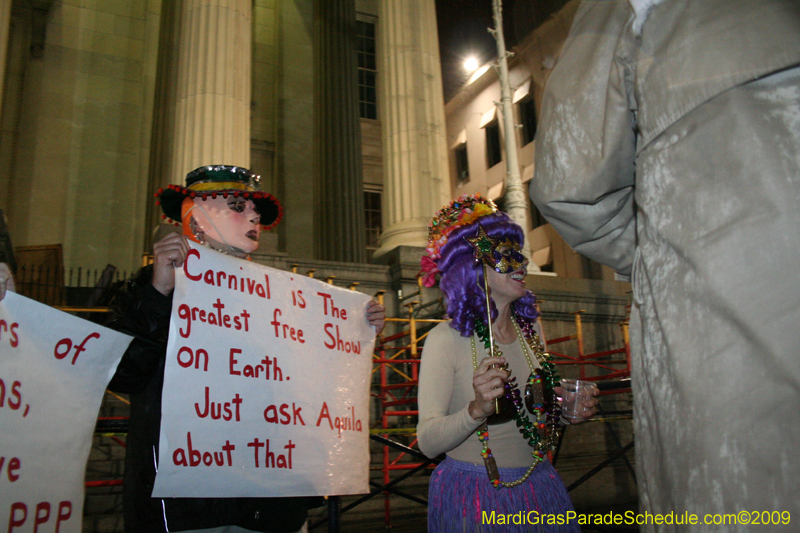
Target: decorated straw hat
<point>220,180</point>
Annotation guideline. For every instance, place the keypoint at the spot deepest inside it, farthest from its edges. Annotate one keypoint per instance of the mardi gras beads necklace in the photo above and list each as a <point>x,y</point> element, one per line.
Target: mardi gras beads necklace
<point>543,433</point>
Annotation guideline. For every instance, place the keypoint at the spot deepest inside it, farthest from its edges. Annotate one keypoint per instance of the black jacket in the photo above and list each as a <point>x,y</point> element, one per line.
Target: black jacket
<point>140,310</point>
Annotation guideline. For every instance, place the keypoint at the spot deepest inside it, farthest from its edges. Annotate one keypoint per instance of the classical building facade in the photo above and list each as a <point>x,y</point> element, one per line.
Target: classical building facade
<point>336,104</point>
<point>105,101</point>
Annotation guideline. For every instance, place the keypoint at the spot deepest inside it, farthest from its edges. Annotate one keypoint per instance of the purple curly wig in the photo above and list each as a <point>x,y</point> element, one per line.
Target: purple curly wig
<point>462,279</point>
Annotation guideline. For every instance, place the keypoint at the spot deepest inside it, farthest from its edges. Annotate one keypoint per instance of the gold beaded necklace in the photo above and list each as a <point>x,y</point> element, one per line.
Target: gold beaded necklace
<point>545,377</point>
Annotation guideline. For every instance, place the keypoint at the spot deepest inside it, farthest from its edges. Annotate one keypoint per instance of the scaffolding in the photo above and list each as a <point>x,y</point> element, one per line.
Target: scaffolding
<point>398,400</point>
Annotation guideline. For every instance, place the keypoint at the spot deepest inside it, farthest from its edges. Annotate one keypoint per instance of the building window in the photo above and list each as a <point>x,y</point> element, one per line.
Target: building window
<point>493,151</point>
<point>462,165</point>
<point>367,70</point>
<point>527,115</point>
<point>372,213</point>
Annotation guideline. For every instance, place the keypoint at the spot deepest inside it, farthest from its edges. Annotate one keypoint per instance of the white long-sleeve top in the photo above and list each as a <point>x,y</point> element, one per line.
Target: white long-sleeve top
<point>445,391</point>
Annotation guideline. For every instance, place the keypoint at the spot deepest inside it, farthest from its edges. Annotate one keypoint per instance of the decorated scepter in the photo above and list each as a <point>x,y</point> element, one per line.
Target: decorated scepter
<point>494,351</point>
<point>483,251</point>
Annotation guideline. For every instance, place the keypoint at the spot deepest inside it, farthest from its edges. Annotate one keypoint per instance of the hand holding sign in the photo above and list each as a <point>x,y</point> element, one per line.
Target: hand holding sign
<point>6,280</point>
<point>376,316</point>
<point>169,253</point>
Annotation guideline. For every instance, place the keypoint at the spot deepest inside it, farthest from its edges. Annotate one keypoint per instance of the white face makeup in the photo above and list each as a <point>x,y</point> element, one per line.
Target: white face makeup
<point>233,222</point>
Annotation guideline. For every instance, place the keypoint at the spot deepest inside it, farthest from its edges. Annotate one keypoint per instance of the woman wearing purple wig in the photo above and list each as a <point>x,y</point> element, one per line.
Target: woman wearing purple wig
<point>468,391</point>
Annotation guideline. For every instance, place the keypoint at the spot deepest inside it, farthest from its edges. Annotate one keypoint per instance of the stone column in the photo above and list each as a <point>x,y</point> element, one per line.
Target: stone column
<point>340,224</point>
<point>411,109</point>
<point>212,100</point>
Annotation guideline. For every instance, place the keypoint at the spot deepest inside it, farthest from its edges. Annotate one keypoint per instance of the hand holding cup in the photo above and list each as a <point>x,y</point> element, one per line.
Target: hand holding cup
<point>578,399</point>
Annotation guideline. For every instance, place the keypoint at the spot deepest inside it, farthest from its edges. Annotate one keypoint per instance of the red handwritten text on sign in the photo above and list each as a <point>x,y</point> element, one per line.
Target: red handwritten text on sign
<point>41,515</point>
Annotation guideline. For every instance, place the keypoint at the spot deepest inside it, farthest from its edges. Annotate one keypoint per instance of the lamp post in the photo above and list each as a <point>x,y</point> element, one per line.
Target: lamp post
<point>516,203</point>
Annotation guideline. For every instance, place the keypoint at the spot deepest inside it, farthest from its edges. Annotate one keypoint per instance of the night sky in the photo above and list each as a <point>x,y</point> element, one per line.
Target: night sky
<point>463,32</point>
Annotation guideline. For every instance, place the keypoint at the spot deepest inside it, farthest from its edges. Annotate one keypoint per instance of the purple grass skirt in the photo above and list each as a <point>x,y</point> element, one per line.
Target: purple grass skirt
<point>461,499</point>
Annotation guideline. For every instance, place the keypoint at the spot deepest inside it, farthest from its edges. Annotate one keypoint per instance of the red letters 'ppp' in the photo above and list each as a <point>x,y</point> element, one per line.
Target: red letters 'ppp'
<point>41,515</point>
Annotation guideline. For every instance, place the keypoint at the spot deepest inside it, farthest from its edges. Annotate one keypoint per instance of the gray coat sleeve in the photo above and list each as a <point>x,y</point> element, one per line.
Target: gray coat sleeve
<point>585,150</point>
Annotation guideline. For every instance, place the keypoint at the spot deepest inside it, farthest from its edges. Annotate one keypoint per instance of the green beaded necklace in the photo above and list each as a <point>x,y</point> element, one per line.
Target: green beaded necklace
<point>542,434</point>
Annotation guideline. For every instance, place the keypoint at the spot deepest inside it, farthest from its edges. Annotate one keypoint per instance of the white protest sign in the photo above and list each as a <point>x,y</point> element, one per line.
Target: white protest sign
<point>266,385</point>
<point>54,369</point>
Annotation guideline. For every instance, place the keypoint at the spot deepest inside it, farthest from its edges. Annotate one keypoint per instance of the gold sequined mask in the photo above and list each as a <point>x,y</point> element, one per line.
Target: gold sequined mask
<point>503,256</point>
<point>508,257</point>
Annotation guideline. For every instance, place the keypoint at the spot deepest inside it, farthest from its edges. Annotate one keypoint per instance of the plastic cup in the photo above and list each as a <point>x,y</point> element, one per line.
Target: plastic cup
<point>576,392</point>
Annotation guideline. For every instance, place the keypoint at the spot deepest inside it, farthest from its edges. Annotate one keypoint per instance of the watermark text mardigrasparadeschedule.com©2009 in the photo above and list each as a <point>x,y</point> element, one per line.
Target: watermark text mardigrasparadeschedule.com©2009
<point>754,518</point>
